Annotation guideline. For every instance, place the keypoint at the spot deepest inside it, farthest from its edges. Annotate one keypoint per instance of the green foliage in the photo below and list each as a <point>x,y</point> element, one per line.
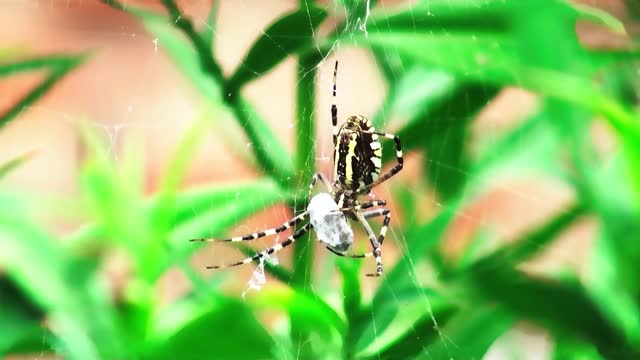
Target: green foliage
<point>276,43</point>
<point>56,66</point>
<point>8,166</point>
<point>443,62</point>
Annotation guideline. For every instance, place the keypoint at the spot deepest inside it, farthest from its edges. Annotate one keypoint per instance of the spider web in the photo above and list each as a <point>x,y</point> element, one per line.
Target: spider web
<point>361,90</point>
<point>133,110</point>
<point>350,103</point>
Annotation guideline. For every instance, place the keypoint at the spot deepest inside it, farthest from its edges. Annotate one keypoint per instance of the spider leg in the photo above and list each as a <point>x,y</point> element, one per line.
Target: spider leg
<point>324,180</point>
<point>396,169</point>
<point>277,247</point>
<point>259,234</point>
<point>334,107</point>
<point>375,243</point>
<point>363,206</point>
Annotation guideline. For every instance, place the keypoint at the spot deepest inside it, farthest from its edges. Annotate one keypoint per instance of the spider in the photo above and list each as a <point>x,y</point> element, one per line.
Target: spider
<point>357,162</point>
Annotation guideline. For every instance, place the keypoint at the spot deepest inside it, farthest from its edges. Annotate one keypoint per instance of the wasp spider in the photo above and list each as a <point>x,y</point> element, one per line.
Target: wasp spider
<point>357,163</point>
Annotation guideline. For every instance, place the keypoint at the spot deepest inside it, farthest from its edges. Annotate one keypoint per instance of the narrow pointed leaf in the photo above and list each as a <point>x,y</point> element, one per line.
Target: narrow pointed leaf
<point>284,37</point>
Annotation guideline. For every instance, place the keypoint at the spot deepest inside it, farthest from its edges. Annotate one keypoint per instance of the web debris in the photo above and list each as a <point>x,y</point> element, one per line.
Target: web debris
<point>258,278</point>
<point>362,25</point>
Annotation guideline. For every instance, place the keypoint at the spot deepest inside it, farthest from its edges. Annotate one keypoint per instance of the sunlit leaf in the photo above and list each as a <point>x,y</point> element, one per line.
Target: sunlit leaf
<point>208,328</point>
<point>315,314</point>
<point>616,251</point>
<point>571,349</point>
<point>210,24</point>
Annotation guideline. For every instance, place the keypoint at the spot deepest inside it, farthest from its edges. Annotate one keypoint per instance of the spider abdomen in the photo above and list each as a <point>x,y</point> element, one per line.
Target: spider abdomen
<point>358,154</point>
<point>330,224</point>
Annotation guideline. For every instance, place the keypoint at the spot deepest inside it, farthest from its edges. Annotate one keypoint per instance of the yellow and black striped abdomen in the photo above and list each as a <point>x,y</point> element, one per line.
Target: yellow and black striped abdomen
<point>357,157</point>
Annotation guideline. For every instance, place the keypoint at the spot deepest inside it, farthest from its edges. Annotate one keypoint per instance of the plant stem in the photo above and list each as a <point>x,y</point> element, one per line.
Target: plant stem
<point>201,46</point>
<point>254,127</point>
<point>304,167</point>
<point>304,160</point>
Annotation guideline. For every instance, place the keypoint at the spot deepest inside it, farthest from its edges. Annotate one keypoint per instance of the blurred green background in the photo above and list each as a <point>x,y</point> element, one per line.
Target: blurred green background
<point>516,221</point>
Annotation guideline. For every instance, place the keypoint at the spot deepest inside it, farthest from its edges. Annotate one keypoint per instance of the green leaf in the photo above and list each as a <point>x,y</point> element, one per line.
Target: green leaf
<point>447,155</point>
<point>57,66</point>
<point>20,318</point>
<point>10,165</point>
<point>524,150</point>
<point>535,241</point>
<point>210,24</point>
<point>598,16</point>
<point>478,17</point>
<point>417,336</point>
<point>416,92</point>
<point>558,306</point>
<point>400,283</point>
<point>470,333</point>
<point>191,203</point>
<point>409,331</point>
<point>198,213</point>
<point>310,311</point>
<point>436,109</point>
<point>573,349</point>
<point>304,162</point>
<point>358,12</point>
<point>419,242</point>
<point>352,299</point>
<point>489,58</point>
<point>633,7</point>
<point>57,284</point>
<point>613,275</point>
<point>205,213</point>
<point>501,58</point>
<point>208,328</point>
<point>284,37</point>
<point>10,52</point>
<point>163,207</point>
<point>113,196</point>
<point>272,155</point>
<point>183,55</point>
<point>36,265</point>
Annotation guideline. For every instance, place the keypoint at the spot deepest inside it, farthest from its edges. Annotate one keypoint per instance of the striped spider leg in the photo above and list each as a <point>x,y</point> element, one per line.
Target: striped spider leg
<point>394,170</point>
<point>260,234</point>
<point>277,247</point>
<point>376,243</point>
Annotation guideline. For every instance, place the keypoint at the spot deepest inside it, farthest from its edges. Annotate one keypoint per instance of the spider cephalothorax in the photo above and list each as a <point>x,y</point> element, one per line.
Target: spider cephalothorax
<point>358,154</point>
<point>357,162</point>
